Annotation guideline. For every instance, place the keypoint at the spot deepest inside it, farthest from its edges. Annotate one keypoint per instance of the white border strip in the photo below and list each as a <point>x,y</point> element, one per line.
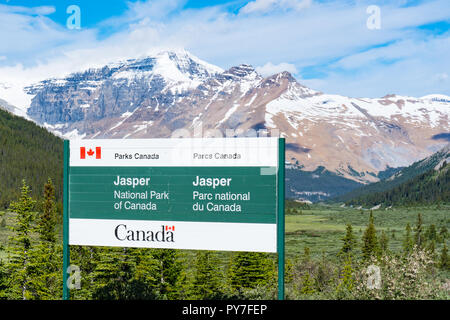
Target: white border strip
<point>256,237</point>
<point>250,152</point>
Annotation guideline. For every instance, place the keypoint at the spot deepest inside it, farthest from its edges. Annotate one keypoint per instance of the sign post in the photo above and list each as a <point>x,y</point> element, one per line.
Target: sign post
<point>281,218</point>
<point>200,194</point>
<point>66,252</point>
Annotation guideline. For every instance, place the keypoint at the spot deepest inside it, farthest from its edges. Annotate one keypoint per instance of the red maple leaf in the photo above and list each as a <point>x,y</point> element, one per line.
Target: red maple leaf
<point>90,153</point>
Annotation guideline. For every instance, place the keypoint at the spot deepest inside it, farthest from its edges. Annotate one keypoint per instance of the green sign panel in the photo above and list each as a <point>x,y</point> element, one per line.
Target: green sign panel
<point>204,194</point>
<point>214,194</point>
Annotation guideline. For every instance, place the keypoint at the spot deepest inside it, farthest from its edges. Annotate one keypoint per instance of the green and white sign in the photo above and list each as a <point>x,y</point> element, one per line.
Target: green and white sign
<point>207,194</point>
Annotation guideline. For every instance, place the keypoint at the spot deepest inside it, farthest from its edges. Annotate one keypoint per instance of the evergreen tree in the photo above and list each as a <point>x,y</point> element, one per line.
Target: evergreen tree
<point>431,248</point>
<point>444,262</point>
<point>125,274</point>
<point>384,242</point>
<point>289,271</point>
<point>419,237</point>
<point>307,284</point>
<point>47,222</point>
<point>443,233</point>
<point>306,255</point>
<point>431,233</point>
<point>248,270</point>
<point>19,268</point>
<point>107,277</point>
<point>349,242</point>
<point>323,274</point>
<point>88,260</point>
<point>206,283</point>
<point>168,270</point>
<point>3,278</point>
<point>370,246</point>
<point>146,278</point>
<point>407,241</point>
<point>47,255</point>
<point>347,280</point>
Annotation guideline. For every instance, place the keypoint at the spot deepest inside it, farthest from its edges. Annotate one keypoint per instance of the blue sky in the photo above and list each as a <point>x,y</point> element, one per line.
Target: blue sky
<point>95,11</point>
<point>326,45</point>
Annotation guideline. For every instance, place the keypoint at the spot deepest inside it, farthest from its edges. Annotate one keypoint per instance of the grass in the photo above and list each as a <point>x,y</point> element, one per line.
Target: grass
<point>322,228</point>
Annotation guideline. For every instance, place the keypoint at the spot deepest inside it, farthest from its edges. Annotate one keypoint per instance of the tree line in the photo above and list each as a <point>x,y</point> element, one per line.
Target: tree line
<point>31,152</point>
<point>432,186</point>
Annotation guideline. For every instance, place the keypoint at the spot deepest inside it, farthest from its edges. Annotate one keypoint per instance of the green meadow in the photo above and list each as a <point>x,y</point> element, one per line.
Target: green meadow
<point>322,227</point>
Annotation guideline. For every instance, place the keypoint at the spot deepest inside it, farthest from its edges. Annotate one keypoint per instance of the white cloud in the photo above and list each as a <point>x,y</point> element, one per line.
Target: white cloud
<point>40,10</point>
<point>259,6</point>
<point>269,68</point>
<point>44,10</point>
<point>265,6</point>
<point>406,68</point>
<point>139,11</point>
<point>29,38</point>
<point>442,77</point>
<point>331,36</point>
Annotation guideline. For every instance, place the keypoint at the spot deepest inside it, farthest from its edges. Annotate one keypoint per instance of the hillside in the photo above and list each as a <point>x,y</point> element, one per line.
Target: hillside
<point>430,187</point>
<point>323,185</point>
<point>317,185</point>
<point>29,152</point>
<point>396,177</point>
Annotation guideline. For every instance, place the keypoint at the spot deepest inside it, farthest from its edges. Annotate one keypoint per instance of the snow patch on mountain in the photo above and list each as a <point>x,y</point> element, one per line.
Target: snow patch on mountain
<point>14,95</point>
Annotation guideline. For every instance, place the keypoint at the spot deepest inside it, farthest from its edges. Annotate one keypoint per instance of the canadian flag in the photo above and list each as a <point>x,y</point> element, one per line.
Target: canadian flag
<point>91,153</point>
<point>168,228</point>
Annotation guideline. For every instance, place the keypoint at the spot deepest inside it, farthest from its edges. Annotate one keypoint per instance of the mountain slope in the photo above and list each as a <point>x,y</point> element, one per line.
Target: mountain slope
<point>116,90</point>
<point>401,176</point>
<point>317,185</point>
<point>424,182</point>
<point>354,138</point>
<point>28,152</point>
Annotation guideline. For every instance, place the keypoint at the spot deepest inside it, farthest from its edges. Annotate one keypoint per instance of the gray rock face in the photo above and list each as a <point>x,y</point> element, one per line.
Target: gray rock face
<point>114,89</point>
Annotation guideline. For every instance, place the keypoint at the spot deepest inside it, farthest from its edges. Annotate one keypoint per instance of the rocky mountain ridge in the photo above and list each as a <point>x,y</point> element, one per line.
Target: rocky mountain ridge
<point>355,138</point>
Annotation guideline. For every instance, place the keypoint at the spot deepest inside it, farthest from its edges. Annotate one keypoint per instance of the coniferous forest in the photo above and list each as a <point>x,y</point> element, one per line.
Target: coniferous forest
<point>433,186</point>
<point>27,152</point>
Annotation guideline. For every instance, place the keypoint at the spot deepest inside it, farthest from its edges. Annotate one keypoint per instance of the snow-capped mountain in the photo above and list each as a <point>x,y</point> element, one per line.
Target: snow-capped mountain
<point>117,88</point>
<point>152,97</point>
